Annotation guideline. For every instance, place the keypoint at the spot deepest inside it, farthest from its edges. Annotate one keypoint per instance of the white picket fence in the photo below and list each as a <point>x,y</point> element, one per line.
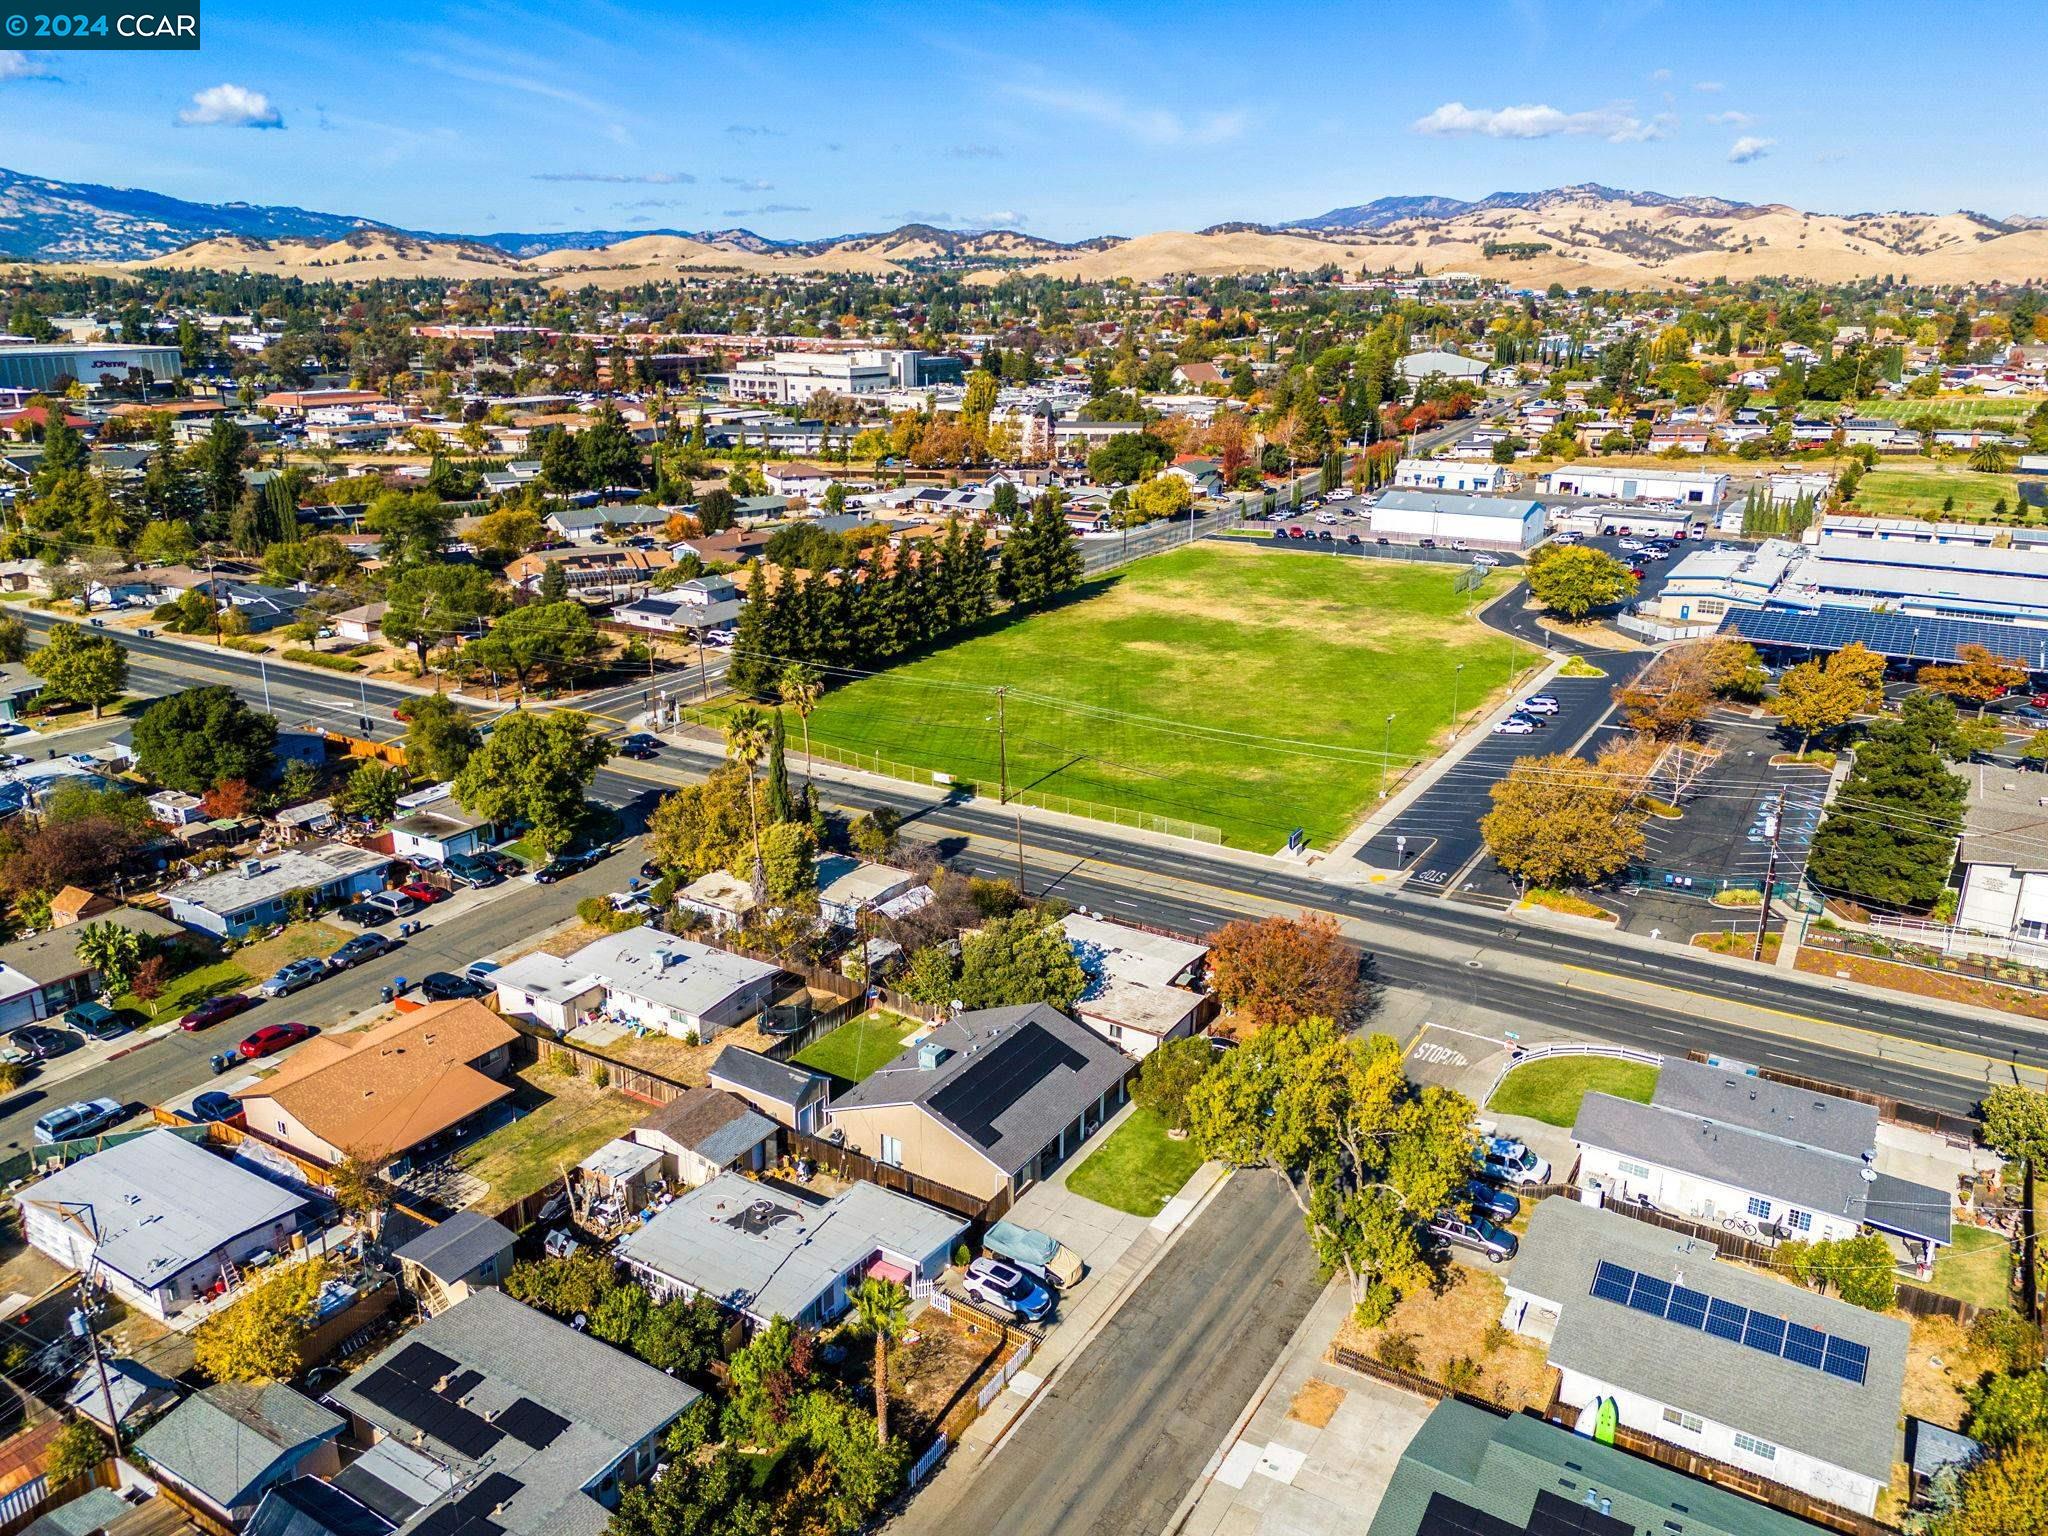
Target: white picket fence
<point>1528,1053</point>
<point>922,1467</point>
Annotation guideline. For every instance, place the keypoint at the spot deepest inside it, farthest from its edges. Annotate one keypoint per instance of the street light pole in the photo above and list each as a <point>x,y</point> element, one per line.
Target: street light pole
<point>1457,676</point>
<point>1763,911</point>
<point>1003,745</point>
<point>1386,752</point>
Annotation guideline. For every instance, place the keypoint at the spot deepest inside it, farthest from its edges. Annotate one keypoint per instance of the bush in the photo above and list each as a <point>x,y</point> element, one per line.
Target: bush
<point>328,659</point>
<point>963,1255</point>
<point>601,1075</point>
<point>2008,1338</point>
<point>245,645</point>
<point>1397,1351</point>
<point>1169,1075</point>
<point>1496,1337</point>
<point>1461,1373</point>
<point>76,1453</point>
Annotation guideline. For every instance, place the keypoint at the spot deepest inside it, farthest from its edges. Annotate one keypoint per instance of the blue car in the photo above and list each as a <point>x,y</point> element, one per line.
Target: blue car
<point>1495,1205</point>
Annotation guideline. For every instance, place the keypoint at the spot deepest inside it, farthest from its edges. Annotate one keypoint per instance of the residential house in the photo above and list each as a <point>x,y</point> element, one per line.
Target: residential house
<point>988,1103</point>
<point>312,1506</point>
<point>764,1253</point>
<point>435,827</point>
<point>490,1400</point>
<point>410,1085</point>
<point>1141,988</point>
<point>2001,858</point>
<point>610,568</point>
<point>1765,1375</point>
<point>590,525</point>
<point>1717,1142</point>
<point>42,975</point>
<point>1469,1470</point>
<point>361,624</point>
<point>260,891</point>
<point>703,1132</point>
<point>694,607</point>
<point>175,808</point>
<point>721,896</point>
<point>157,1219</point>
<point>18,689</point>
<point>465,1253</point>
<point>227,1445</point>
<point>643,977</point>
<point>847,887</point>
<point>730,546</point>
<point>1199,376</point>
<point>792,1096</point>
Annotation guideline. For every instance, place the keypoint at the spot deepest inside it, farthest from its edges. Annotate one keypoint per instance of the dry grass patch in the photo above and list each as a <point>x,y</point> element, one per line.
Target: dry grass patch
<point>1453,1321</point>
<point>1316,1403</point>
<point>679,1060</point>
<point>1934,1392</point>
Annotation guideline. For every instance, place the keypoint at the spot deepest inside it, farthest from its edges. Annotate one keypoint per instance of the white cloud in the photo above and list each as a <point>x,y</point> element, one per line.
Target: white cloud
<point>621,178</point>
<point>1710,87</point>
<point>16,65</point>
<point>1748,148</point>
<point>1150,125</point>
<point>1731,119</point>
<point>231,106</point>
<point>1660,75</point>
<point>1002,218</point>
<point>748,183</point>
<point>1618,124</point>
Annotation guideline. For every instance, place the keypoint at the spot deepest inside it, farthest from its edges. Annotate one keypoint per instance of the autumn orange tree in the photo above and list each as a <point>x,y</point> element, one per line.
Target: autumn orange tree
<point>1975,677</point>
<point>229,800</point>
<point>1827,693</point>
<point>1561,821</point>
<point>1676,691</point>
<point>1282,970</point>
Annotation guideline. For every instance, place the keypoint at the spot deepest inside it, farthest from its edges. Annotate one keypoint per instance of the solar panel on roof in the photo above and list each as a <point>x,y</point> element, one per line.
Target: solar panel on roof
<point>1765,1332</point>
<point>1650,1295</point>
<point>530,1424</point>
<point>1725,1320</point>
<point>461,1384</point>
<point>1005,1072</point>
<point>1846,1360</point>
<point>418,1362</point>
<point>1611,1282</point>
<point>1907,636</point>
<point>1805,1346</point>
<point>1688,1307</point>
<point>1761,1331</point>
<point>487,1495</point>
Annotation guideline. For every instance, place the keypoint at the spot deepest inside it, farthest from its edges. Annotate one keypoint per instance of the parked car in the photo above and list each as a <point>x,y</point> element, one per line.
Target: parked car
<point>213,1106</point>
<point>272,1038</point>
<point>642,739</point>
<point>1496,1205</point>
<point>1508,1161</point>
<point>424,863</point>
<point>96,1021</point>
<point>1035,1253</point>
<point>1278,533</point>
<point>1514,727</point>
<point>396,903</point>
<point>215,1009</point>
<point>562,866</point>
<point>365,915</point>
<point>1475,1233</point>
<point>1425,543</point>
<point>1005,1288</point>
<point>640,752</point>
<point>473,869</point>
<point>1538,704</point>
<point>446,986</point>
<point>39,1042</point>
<point>364,946</point>
<point>426,895</point>
<point>88,1117</point>
<point>292,976</point>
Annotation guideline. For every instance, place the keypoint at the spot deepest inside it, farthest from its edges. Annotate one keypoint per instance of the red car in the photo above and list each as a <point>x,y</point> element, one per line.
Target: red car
<point>272,1038</point>
<point>426,895</point>
<point>214,1009</point>
<point>1638,572</point>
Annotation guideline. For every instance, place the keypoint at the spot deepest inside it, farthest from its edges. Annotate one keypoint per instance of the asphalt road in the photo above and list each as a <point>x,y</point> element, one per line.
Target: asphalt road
<point>1124,1432</point>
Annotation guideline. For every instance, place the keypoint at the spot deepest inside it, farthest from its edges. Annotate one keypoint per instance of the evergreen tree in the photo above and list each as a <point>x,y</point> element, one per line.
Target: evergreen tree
<point>554,583</point>
<point>775,789</point>
<point>751,672</point>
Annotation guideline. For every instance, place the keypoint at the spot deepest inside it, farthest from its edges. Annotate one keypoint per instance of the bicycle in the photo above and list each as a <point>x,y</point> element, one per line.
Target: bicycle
<point>1740,1224</point>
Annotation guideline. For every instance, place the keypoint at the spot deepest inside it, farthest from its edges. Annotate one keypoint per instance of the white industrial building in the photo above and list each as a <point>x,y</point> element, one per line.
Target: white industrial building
<point>1443,475</point>
<point>1692,487</point>
<point>1496,521</point>
<point>791,378</point>
<point>1417,366</point>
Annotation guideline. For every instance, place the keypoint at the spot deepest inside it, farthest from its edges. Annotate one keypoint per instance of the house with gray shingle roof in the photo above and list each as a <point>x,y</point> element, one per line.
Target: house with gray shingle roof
<point>229,1444</point>
<point>444,1264</point>
<point>789,1095</point>
<point>1770,1377</point>
<point>991,1102</point>
<point>1715,1142</point>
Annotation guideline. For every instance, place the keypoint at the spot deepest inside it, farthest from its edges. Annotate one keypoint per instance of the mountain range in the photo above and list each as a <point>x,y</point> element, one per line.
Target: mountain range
<point>1585,235</point>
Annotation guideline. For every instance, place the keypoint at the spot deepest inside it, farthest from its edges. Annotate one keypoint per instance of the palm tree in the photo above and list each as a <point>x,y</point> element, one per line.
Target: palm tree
<point>800,685</point>
<point>113,951</point>
<point>883,1308</point>
<point>1988,459</point>
<point>746,743</point>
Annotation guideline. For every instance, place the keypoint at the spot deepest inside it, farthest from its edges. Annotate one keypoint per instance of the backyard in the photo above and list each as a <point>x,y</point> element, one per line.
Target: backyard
<point>1922,493</point>
<point>856,1048</point>
<point>1223,685</point>
<point>1977,1268</point>
<point>1550,1089</point>
<point>1138,1168</point>
<point>566,1118</point>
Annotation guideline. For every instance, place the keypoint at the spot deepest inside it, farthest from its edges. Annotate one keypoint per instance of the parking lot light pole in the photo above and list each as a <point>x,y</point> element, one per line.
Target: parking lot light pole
<point>1457,676</point>
<point>1386,751</point>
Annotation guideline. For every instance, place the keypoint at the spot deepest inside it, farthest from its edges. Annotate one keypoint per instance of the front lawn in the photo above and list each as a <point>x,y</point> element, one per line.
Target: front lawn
<point>1139,1168</point>
<point>856,1048</point>
<point>1976,1269</point>
<point>233,972</point>
<point>566,1119</point>
<point>1239,689</point>
<point>1550,1089</point>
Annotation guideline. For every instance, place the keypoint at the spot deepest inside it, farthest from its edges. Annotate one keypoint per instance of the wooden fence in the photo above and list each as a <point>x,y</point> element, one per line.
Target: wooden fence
<point>194,1511</point>
<point>849,1164</point>
<point>1835,1517</point>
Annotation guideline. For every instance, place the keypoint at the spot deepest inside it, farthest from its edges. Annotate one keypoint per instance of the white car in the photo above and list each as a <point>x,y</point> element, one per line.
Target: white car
<point>1485,560</point>
<point>1538,704</point>
<point>1514,728</point>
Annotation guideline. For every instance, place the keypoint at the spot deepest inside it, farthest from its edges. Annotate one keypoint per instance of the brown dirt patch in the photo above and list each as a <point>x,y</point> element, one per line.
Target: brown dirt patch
<point>931,1376</point>
<point>1453,1320</point>
<point>1316,1403</point>
<point>1935,1392</point>
<point>678,1059</point>
<point>1907,978</point>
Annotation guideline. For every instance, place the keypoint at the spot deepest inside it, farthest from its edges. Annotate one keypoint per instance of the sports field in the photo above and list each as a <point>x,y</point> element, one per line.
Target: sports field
<point>1238,688</point>
<point>1922,493</point>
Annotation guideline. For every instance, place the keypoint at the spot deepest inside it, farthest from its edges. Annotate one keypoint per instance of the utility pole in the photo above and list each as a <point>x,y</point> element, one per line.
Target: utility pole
<point>1386,752</point>
<point>81,1324</point>
<point>1763,911</point>
<point>1003,744</point>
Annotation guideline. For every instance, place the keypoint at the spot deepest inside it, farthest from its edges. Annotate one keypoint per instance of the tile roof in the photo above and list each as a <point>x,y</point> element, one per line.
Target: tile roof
<point>1848,1424</point>
<point>1005,1080</point>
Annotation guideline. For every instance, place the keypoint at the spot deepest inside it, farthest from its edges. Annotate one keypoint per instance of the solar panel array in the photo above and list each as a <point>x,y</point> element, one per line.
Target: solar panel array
<point>1890,634</point>
<point>530,1424</point>
<point>404,1388</point>
<point>1764,1332</point>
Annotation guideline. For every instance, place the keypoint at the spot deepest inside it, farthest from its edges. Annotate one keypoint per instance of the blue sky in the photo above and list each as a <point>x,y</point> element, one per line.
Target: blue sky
<point>1064,119</point>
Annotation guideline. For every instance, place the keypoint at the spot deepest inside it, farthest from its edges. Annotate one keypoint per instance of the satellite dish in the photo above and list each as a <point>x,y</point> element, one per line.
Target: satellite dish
<point>1869,1174</point>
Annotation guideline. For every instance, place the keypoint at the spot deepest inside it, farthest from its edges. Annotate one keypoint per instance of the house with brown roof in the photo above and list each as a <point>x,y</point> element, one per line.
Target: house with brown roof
<point>703,1132</point>
<point>389,1091</point>
<point>74,904</point>
<point>608,568</point>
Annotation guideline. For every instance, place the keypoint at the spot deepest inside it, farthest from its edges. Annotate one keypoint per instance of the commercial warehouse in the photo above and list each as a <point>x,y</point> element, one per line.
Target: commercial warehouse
<point>1500,521</point>
<point>35,366</point>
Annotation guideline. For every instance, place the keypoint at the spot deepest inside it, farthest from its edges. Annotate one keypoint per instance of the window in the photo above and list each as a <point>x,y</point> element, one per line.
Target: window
<point>1799,1221</point>
<point>1762,1449</point>
<point>892,1152</point>
<point>1759,1208</point>
<point>1633,1170</point>
<point>1685,1421</point>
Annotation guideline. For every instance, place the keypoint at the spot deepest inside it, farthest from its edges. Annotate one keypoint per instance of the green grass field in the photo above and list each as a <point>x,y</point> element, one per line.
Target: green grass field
<point>1950,411</point>
<point>856,1048</point>
<point>1549,1089</point>
<point>1244,689</point>
<point>1138,1169</point>
<point>1921,492</point>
